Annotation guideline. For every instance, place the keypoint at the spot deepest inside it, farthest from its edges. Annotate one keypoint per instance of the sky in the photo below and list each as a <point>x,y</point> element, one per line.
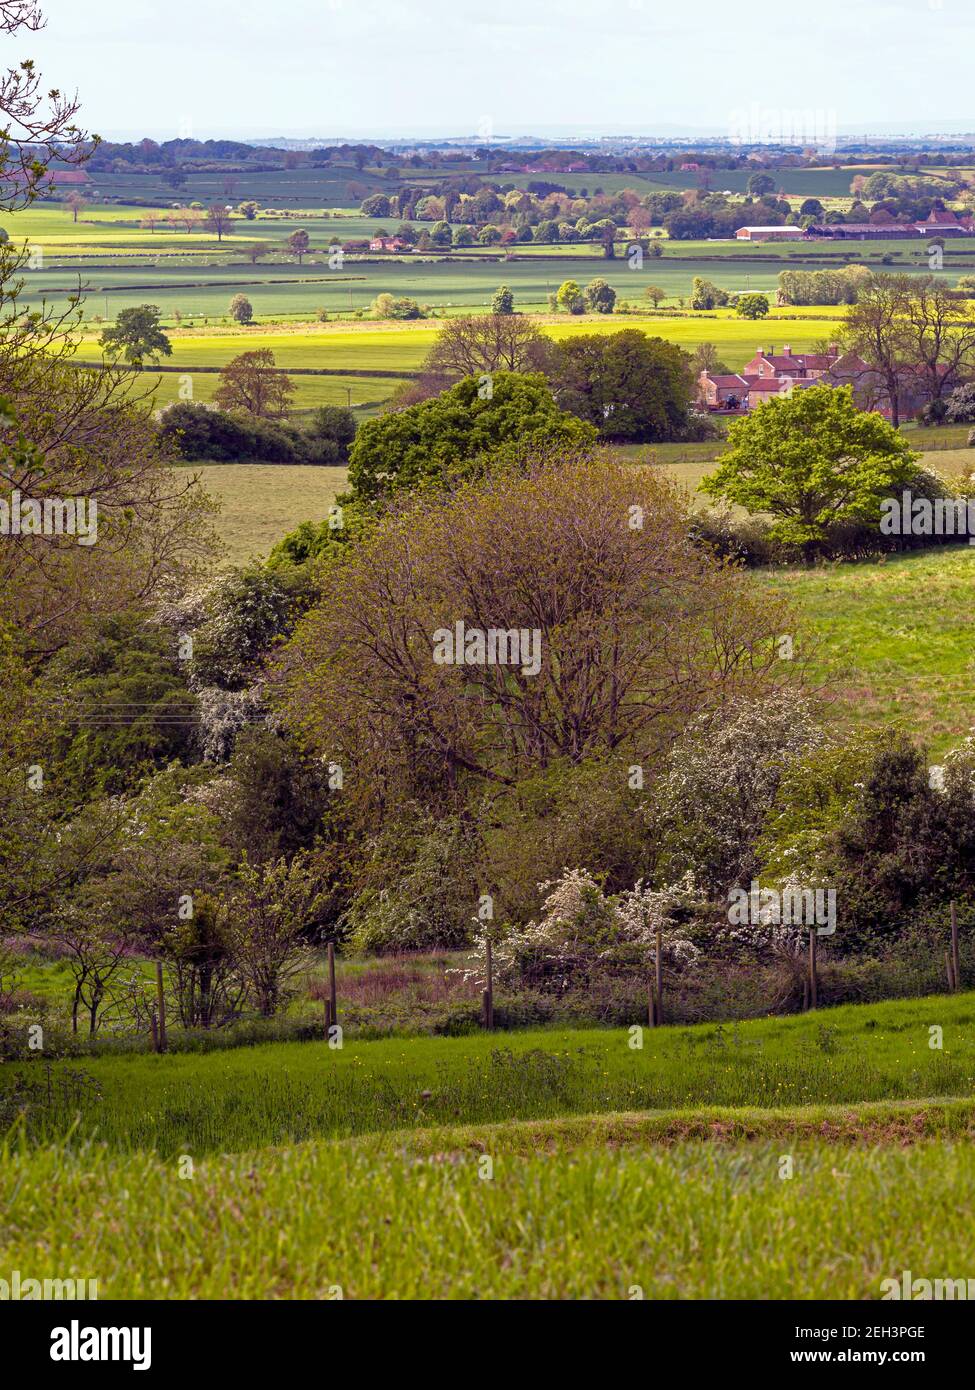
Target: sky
<point>251,68</point>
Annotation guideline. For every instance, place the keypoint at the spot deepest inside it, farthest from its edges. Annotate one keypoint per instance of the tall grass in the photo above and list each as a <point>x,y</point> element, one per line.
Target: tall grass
<point>320,1221</point>
<point>287,1092</point>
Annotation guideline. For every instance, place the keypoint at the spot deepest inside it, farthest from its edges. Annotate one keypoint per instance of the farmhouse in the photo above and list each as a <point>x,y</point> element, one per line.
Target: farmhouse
<point>389,243</point>
<point>797,366</point>
<point>768,374</point>
<point>718,391</point>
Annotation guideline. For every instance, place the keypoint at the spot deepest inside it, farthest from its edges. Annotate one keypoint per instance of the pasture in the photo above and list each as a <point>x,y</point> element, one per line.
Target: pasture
<point>261,502</point>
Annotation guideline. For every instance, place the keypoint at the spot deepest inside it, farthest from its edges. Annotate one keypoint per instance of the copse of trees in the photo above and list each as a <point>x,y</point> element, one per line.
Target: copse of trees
<point>199,432</point>
<point>705,295</point>
<point>626,648</point>
<point>914,336</point>
<point>822,286</point>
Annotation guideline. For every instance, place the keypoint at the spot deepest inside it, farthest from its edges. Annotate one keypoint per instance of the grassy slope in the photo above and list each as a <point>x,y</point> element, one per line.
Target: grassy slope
<point>894,638</point>
<point>261,502</point>
<point>283,1093</point>
<point>671,1185</point>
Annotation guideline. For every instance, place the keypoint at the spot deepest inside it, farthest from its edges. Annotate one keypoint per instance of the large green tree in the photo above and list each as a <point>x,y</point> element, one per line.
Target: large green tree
<point>812,459</point>
<point>479,415</point>
<point>628,385</point>
<point>137,335</point>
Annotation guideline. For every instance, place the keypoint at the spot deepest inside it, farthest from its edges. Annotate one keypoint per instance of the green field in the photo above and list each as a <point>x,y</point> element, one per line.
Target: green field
<point>381,348</point>
<point>282,1093</point>
<point>792,1158</point>
<point>122,261</point>
<point>893,638</point>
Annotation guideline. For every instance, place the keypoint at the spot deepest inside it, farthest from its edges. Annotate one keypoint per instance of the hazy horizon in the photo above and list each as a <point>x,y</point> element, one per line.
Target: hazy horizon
<point>333,68</point>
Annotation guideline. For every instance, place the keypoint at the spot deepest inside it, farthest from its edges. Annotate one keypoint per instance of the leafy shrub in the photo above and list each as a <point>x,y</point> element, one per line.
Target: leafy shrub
<point>417,889</point>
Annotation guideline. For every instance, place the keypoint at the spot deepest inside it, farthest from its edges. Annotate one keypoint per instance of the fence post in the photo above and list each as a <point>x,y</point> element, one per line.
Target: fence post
<point>651,1003</point>
<point>949,972</point>
<point>161,1006</point>
<point>813,980</point>
<point>955,961</point>
<point>333,1007</point>
<point>660,979</point>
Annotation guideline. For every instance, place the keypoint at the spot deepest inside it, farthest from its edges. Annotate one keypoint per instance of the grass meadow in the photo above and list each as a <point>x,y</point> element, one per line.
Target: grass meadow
<point>284,1093</point>
<point>261,502</point>
<point>321,1221</point>
<point>790,1158</point>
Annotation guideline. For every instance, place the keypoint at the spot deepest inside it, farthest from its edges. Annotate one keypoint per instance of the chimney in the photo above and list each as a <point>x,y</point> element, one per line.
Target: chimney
<point>787,351</point>
<point>834,349</point>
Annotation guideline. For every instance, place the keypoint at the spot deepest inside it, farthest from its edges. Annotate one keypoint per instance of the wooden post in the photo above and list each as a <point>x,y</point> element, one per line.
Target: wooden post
<point>488,996</point>
<point>333,1006</point>
<point>327,1005</point>
<point>955,962</point>
<point>660,980</point>
<point>949,974</point>
<point>155,1031</point>
<point>651,1003</point>
<point>813,981</point>
<point>161,1006</point>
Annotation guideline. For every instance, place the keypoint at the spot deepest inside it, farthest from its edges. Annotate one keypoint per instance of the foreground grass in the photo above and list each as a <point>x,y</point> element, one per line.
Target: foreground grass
<point>289,1092</point>
<point>336,1220</point>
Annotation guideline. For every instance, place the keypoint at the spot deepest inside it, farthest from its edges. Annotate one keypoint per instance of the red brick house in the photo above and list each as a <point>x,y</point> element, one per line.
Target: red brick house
<point>389,243</point>
<point>799,366</point>
<point>720,392</point>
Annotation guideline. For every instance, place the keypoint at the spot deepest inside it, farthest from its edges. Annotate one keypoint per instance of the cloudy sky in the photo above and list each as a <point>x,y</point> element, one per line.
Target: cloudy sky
<point>321,67</point>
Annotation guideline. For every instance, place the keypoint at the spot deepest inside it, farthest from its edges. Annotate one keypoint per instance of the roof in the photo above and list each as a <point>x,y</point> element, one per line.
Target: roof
<point>793,231</point>
<point>782,361</point>
<point>765,383</point>
<point>905,228</point>
<point>726,381</point>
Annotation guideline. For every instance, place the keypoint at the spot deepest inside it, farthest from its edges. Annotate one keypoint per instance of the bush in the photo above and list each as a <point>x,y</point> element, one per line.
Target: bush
<point>196,431</point>
<point>418,887</point>
<point>960,406</point>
